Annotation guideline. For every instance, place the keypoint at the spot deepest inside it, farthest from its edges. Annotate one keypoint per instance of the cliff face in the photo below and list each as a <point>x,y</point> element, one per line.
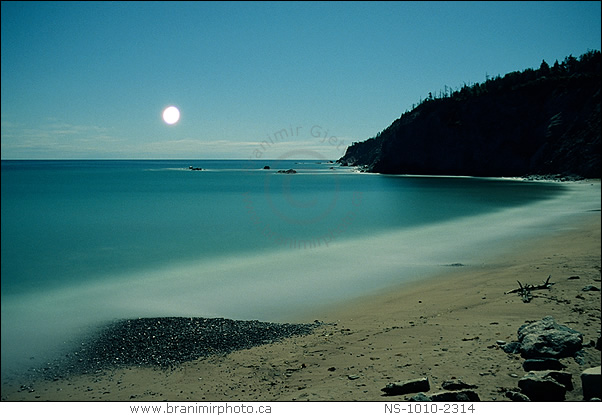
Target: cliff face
<point>536,122</point>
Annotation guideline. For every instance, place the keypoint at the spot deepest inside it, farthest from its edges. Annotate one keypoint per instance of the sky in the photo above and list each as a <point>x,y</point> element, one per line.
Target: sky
<point>89,80</point>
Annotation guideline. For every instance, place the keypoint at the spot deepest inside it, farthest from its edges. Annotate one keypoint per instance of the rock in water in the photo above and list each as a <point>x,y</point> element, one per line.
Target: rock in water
<point>410,386</point>
<point>590,380</point>
<point>546,338</point>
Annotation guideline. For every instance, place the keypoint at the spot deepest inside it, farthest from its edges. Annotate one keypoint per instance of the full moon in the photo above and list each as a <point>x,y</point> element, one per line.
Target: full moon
<point>171,115</point>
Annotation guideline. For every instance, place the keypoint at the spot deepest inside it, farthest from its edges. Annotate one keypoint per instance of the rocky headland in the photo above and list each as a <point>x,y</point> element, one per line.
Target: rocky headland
<point>543,122</point>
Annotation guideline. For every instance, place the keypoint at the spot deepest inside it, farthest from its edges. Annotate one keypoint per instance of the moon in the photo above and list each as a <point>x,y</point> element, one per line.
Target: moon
<point>171,115</point>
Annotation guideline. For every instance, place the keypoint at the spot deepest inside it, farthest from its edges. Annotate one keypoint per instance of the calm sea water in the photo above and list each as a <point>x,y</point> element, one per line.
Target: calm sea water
<point>70,222</point>
<point>88,241</point>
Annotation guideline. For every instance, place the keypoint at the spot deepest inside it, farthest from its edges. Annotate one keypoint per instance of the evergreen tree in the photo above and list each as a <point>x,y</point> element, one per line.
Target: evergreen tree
<point>544,68</point>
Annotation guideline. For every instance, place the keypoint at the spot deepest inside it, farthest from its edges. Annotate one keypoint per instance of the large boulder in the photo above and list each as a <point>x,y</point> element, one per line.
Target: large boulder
<point>547,338</point>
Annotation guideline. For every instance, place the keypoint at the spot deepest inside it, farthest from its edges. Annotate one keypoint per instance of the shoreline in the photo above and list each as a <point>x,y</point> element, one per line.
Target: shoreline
<point>444,327</point>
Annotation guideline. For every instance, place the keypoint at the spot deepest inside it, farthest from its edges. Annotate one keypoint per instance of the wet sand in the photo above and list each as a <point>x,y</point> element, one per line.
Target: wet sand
<point>445,327</point>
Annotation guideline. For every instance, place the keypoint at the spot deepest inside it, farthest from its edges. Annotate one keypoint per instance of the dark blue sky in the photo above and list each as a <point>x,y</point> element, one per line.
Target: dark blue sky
<point>90,80</point>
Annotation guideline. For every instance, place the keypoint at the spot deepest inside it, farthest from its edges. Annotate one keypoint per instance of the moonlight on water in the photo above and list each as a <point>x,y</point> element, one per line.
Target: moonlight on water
<point>171,115</point>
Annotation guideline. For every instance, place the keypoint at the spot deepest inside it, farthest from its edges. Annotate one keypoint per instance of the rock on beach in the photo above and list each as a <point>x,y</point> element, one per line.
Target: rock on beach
<point>454,385</point>
<point>409,386</point>
<point>547,338</point>
<point>542,388</point>
<point>590,380</point>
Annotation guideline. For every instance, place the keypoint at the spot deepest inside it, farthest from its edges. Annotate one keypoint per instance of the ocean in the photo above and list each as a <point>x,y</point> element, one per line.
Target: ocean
<point>85,242</point>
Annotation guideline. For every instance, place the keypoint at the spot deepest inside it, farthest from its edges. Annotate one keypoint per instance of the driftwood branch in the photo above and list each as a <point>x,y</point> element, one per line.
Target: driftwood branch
<point>525,291</point>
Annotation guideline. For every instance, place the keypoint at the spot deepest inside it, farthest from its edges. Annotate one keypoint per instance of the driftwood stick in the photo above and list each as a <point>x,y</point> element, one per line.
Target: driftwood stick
<point>525,291</point>
<point>516,290</point>
<point>546,285</point>
<point>526,295</point>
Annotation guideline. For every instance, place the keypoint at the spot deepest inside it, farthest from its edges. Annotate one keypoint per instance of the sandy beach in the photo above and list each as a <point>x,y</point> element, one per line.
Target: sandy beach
<point>445,327</point>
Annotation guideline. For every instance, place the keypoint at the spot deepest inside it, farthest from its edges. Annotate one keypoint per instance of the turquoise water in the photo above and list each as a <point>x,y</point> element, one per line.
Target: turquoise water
<point>72,222</point>
<point>88,241</point>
